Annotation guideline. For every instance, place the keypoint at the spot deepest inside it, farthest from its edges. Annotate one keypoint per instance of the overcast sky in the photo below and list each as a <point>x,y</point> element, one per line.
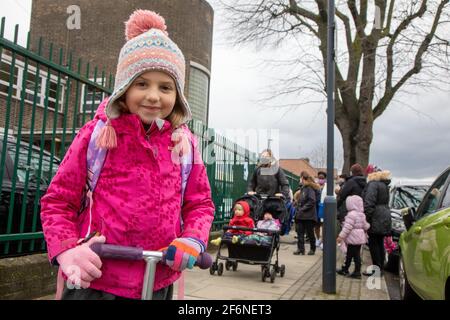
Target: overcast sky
<point>411,141</point>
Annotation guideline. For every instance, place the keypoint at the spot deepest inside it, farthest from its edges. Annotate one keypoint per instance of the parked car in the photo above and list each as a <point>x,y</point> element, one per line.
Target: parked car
<point>25,194</point>
<point>424,261</point>
<point>401,196</point>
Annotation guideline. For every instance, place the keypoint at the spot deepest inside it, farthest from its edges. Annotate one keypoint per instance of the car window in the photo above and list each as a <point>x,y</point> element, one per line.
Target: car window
<point>44,176</point>
<point>431,199</point>
<point>408,196</point>
<point>446,200</point>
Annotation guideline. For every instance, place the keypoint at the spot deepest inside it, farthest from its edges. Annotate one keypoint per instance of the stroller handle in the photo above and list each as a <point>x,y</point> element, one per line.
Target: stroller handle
<point>225,228</point>
<point>264,196</point>
<point>109,251</point>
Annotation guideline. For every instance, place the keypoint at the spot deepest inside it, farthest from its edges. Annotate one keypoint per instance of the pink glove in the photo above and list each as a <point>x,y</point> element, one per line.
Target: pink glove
<point>182,253</point>
<point>81,265</point>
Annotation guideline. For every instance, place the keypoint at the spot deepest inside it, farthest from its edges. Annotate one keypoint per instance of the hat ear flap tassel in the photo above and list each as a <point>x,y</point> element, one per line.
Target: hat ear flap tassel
<point>107,138</point>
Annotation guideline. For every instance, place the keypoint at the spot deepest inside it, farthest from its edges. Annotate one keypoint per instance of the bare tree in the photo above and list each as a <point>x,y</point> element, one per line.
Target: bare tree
<point>318,156</point>
<point>391,46</point>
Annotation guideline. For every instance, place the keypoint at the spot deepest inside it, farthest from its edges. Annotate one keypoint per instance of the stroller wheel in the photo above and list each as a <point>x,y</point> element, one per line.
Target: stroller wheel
<point>213,268</point>
<point>235,265</point>
<point>268,271</point>
<point>263,273</point>
<point>228,265</point>
<point>282,270</point>
<point>272,275</point>
<point>220,269</point>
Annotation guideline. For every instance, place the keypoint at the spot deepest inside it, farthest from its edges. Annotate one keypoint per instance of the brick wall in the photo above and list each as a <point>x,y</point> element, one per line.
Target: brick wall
<point>26,277</point>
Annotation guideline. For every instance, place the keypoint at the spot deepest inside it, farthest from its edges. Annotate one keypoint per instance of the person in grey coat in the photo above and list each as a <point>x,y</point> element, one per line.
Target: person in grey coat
<point>268,178</point>
<point>306,213</point>
<point>378,214</point>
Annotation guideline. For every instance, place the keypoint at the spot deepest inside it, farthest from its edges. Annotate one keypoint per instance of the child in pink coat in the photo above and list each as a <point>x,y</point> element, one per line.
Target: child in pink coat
<point>354,235</point>
<point>138,198</point>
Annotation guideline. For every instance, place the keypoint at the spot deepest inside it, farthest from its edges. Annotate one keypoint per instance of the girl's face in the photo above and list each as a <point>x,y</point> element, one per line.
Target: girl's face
<point>152,95</point>
<point>238,210</point>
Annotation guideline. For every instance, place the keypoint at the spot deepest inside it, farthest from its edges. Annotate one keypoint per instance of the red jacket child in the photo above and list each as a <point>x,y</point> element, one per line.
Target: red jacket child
<point>241,218</point>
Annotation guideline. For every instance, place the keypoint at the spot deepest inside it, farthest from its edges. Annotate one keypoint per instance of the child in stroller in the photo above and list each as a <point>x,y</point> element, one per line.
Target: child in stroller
<point>262,238</point>
<point>258,247</point>
<point>241,218</point>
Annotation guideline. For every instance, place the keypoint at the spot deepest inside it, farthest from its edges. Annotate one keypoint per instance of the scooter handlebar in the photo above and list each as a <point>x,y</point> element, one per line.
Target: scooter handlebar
<point>109,251</point>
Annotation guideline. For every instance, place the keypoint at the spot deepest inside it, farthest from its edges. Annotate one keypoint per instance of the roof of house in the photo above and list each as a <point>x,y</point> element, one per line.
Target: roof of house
<point>296,166</point>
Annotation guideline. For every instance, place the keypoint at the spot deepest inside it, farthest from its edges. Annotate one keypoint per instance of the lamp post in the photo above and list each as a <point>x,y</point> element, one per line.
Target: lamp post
<point>330,207</point>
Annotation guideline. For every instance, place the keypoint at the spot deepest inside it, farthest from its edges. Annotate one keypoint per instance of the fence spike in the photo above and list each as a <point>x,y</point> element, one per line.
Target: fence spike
<point>2,27</point>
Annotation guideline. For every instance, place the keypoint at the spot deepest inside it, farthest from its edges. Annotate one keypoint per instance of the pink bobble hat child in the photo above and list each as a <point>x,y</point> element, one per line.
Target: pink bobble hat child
<point>140,198</point>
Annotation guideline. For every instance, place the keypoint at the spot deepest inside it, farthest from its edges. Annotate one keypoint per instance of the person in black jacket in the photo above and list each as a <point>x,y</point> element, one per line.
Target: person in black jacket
<point>378,214</point>
<point>306,215</point>
<point>268,178</point>
<point>353,186</point>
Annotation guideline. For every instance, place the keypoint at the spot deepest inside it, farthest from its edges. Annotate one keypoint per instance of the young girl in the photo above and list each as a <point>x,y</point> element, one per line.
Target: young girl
<point>241,218</point>
<point>138,198</point>
<point>354,235</point>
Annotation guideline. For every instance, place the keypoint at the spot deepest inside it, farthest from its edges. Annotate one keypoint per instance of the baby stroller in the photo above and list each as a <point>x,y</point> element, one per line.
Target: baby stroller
<point>253,252</point>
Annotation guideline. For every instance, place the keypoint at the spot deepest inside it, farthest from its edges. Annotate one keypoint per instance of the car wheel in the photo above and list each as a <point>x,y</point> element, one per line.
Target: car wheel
<point>406,292</point>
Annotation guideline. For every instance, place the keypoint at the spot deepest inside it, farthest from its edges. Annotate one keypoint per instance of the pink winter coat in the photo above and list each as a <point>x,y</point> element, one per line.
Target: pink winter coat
<point>355,224</point>
<point>137,201</point>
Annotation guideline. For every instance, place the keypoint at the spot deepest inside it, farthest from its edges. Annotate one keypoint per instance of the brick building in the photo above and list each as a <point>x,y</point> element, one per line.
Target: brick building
<point>296,166</point>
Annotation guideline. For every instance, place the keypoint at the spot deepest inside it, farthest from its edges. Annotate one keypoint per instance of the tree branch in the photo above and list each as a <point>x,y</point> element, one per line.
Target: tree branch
<point>294,8</point>
<point>390,51</point>
<point>357,19</point>
<point>390,92</point>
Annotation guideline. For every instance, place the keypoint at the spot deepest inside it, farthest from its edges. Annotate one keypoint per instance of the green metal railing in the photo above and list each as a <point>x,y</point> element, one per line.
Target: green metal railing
<point>43,104</point>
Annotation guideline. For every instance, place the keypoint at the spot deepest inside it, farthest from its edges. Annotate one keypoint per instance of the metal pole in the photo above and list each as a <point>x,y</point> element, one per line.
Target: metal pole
<point>329,226</point>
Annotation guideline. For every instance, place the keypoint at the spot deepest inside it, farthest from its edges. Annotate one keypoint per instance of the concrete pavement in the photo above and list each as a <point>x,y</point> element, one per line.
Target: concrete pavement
<point>302,280</point>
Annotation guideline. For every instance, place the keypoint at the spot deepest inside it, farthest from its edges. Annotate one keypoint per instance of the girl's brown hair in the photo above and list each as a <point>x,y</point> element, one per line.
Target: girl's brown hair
<point>177,117</point>
<point>305,175</point>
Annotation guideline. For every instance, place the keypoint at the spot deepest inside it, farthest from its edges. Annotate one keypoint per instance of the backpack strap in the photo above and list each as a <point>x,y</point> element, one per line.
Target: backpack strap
<point>95,159</point>
<point>186,160</point>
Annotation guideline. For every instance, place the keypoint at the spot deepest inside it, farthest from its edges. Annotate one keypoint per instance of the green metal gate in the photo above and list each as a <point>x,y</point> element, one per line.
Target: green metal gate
<point>44,101</point>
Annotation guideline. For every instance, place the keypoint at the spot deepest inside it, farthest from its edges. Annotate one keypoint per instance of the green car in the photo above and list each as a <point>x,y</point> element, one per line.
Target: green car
<point>424,264</point>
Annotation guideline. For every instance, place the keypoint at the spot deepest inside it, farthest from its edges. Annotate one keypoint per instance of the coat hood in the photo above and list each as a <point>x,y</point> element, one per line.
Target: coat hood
<point>380,176</point>
<point>360,180</point>
<point>354,203</point>
<point>100,113</point>
<point>246,208</point>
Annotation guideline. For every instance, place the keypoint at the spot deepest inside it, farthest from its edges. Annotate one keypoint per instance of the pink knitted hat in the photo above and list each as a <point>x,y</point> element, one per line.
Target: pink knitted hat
<point>148,48</point>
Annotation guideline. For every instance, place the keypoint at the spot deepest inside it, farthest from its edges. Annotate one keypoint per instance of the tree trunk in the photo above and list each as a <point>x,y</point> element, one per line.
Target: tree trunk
<point>356,150</point>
